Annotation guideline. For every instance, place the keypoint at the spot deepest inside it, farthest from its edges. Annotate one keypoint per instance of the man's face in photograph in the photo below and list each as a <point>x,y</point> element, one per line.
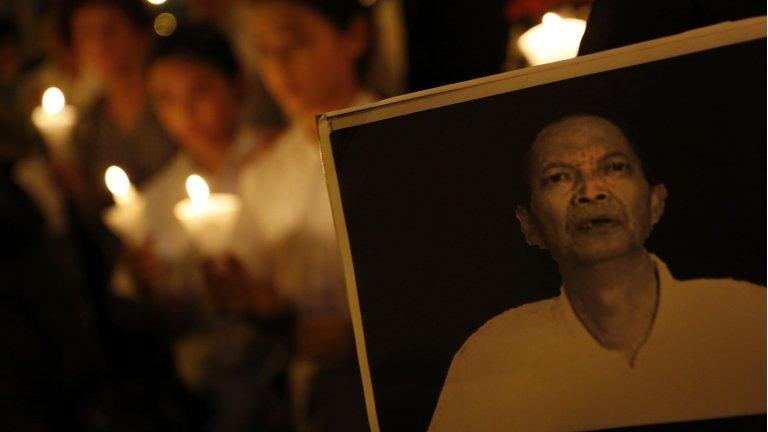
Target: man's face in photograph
<point>589,198</point>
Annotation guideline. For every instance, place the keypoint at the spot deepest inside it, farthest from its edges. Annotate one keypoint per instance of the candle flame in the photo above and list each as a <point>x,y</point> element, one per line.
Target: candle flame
<point>53,101</point>
<point>197,189</point>
<point>551,18</point>
<point>556,38</point>
<point>117,181</point>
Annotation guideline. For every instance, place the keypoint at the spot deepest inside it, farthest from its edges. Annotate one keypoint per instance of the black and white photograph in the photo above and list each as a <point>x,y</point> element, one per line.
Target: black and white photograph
<point>577,246</point>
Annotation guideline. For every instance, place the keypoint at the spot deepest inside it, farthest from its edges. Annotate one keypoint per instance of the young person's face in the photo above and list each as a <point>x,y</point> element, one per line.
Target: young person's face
<point>306,61</point>
<point>590,200</point>
<point>197,104</point>
<point>105,40</point>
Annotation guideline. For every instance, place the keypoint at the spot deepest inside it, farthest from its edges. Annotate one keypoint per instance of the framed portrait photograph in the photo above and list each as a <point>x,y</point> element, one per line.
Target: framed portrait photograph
<point>574,246</point>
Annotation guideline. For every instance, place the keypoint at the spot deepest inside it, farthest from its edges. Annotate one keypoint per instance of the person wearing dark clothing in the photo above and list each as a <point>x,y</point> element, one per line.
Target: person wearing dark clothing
<point>50,358</point>
<point>615,23</point>
<point>450,42</point>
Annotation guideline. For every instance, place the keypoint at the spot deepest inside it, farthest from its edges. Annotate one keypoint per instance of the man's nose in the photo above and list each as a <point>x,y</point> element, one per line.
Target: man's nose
<point>590,189</point>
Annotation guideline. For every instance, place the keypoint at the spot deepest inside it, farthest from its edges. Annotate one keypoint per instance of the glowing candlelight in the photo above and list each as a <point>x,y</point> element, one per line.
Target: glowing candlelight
<point>556,38</point>
<point>126,218</point>
<point>198,190</point>
<point>209,219</point>
<point>55,120</point>
<point>53,101</point>
<point>119,185</point>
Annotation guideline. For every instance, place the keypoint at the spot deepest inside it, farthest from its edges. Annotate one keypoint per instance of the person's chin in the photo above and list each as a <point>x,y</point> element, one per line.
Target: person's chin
<point>600,249</point>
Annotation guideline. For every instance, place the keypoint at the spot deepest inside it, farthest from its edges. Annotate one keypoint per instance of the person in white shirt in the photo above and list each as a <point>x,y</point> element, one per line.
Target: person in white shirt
<point>193,81</point>
<point>625,343</point>
<point>313,54</point>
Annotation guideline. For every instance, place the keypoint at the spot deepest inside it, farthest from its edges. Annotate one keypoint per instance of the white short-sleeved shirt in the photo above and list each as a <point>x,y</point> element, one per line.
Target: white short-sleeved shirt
<point>536,367</point>
<point>168,239</point>
<point>287,196</point>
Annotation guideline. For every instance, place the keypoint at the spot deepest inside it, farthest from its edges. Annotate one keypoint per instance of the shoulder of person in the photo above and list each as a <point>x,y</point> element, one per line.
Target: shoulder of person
<point>731,306</point>
<point>525,327</point>
<point>724,288</point>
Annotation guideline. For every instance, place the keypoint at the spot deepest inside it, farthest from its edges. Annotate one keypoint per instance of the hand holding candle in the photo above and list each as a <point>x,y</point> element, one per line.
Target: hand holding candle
<point>126,218</point>
<point>55,120</point>
<point>209,219</point>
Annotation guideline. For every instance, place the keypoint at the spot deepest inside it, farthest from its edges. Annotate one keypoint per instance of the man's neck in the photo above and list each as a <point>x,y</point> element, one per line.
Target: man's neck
<point>343,98</point>
<point>615,300</point>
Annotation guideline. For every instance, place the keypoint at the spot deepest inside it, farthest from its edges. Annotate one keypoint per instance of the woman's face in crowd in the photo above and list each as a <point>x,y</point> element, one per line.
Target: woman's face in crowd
<point>306,61</point>
<point>106,41</point>
<point>196,102</point>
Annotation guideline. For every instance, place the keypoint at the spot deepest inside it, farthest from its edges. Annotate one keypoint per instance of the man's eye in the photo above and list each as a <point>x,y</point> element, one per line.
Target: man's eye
<point>618,166</point>
<point>555,178</point>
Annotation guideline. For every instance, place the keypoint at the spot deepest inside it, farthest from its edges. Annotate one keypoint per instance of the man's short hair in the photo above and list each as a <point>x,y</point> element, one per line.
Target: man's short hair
<point>523,163</point>
<point>134,10</point>
<point>200,42</point>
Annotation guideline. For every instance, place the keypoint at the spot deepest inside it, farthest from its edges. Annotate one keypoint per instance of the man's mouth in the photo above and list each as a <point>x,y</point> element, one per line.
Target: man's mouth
<point>588,224</point>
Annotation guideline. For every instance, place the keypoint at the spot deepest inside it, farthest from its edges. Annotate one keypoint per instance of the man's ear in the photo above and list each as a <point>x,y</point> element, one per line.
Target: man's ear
<point>658,202</point>
<point>358,36</point>
<point>528,227</point>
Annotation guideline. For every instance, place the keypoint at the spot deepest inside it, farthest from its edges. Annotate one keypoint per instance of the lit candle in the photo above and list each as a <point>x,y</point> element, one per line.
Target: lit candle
<point>209,219</point>
<point>55,120</point>
<point>556,38</point>
<point>126,218</point>
<point>119,185</point>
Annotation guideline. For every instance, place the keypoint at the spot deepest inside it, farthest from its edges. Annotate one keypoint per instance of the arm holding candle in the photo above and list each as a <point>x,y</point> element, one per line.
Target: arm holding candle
<point>230,289</point>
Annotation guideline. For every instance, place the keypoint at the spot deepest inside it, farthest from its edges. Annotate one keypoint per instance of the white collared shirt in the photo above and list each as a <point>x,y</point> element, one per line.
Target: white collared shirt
<point>536,367</point>
<point>287,196</point>
<point>168,239</point>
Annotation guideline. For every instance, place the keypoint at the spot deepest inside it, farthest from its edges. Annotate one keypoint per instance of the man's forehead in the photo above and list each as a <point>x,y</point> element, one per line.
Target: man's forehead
<point>580,137</point>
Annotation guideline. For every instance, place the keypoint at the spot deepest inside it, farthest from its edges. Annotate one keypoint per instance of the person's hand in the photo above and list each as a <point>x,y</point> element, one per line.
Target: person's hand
<point>147,270</point>
<point>229,288</point>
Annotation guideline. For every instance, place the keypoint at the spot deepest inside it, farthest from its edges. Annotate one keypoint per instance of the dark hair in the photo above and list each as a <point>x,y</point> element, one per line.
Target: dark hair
<point>9,30</point>
<point>341,14</point>
<point>134,10</point>
<point>522,187</point>
<point>200,42</point>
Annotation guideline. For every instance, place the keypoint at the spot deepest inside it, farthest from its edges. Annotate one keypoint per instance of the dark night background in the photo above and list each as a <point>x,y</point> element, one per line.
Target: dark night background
<point>429,202</point>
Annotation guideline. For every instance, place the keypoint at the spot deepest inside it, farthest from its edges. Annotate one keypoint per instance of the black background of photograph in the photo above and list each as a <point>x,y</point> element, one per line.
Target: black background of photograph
<point>429,204</point>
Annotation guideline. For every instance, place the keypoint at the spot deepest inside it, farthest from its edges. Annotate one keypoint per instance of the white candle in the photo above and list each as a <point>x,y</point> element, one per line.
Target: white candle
<point>126,218</point>
<point>55,120</point>
<point>555,39</point>
<point>209,219</point>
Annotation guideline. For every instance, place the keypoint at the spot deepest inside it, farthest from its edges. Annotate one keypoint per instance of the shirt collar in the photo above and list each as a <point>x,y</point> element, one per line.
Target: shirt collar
<point>577,330</point>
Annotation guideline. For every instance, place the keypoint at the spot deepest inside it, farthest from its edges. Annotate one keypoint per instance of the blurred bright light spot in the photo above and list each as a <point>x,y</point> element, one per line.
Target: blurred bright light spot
<point>53,101</point>
<point>197,189</point>
<point>556,38</point>
<point>117,182</point>
<point>165,24</point>
<point>550,18</point>
<point>156,2</point>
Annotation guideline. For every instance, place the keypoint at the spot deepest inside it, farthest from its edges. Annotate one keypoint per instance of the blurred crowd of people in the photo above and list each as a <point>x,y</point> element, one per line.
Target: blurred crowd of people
<point>109,334</point>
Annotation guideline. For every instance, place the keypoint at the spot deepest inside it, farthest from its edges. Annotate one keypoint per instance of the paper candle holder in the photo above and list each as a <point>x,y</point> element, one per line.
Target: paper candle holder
<point>210,224</point>
<point>128,221</point>
<point>55,121</point>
